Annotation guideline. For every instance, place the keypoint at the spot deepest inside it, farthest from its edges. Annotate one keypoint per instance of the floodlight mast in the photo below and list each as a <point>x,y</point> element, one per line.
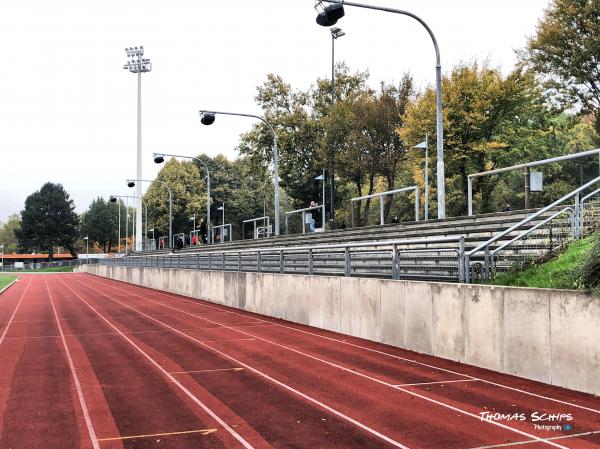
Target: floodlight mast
<point>335,11</point>
<point>138,65</point>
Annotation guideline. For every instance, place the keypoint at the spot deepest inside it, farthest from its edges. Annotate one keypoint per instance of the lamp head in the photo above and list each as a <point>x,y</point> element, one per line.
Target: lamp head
<point>130,184</point>
<point>159,158</point>
<point>331,14</point>
<point>113,199</point>
<point>207,118</point>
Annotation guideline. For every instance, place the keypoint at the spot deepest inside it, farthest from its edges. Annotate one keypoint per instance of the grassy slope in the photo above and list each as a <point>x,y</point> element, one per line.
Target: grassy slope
<point>557,273</point>
<point>5,280</point>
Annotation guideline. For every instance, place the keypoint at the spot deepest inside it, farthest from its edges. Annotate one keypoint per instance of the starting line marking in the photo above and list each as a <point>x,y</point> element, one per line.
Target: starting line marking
<point>520,443</point>
<point>208,370</point>
<point>203,432</point>
<point>433,383</point>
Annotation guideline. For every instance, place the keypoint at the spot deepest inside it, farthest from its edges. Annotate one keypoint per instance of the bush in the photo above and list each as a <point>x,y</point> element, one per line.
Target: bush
<point>590,269</point>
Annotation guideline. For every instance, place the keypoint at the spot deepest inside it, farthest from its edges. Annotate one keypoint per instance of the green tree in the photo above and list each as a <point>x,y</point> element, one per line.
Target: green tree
<point>100,222</point>
<point>48,220</point>
<point>7,233</point>
<point>189,197</point>
<point>481,107</point>
<point>566,52</point>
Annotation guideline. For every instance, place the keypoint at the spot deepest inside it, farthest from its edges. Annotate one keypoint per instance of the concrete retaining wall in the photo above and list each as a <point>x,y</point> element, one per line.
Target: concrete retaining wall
<point>545,335</point>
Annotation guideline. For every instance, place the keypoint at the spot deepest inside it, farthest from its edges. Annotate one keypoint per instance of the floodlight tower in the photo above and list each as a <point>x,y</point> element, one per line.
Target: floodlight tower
<point>137,64</point>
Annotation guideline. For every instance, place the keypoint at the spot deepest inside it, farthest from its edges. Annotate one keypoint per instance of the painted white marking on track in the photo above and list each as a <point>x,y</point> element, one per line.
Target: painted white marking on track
<point>266,376</point>
<point>12,317</point>
<point>82,403</point>
<point>376,351</point>
<point>189,394</point>
<point>411,392</point>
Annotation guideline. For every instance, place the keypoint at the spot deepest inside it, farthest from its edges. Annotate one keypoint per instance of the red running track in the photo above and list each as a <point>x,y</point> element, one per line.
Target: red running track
<point>88,362</point>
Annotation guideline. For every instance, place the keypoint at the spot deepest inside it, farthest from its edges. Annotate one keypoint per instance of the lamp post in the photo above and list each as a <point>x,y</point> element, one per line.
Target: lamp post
<point>87,249</point>
<point>335,34</point>
<point>208,118</point>
<point>222,208</point>
<point>321,177</point>
<point>113,199</point>
<point>138,65</point>
<point>159,158</point>
<point>425,145</point>
<point>193,218</point>
<point>335,11</point>
<point>2,253</point>
<point>131,183</point>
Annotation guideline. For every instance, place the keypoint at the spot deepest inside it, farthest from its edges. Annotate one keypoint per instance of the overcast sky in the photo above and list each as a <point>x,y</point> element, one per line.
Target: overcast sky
<point>68,109</point>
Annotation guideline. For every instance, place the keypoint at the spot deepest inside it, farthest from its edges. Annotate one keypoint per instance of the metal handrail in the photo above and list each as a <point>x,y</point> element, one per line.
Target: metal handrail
<point>589,195</point>
<point>486,245</point>
<point>426,240</point>
<point>217,259</point>
<point>537,226</point>
<point>533,216</point>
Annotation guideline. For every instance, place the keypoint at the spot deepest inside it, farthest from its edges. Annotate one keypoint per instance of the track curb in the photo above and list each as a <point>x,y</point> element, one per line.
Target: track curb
<point>6,288</point>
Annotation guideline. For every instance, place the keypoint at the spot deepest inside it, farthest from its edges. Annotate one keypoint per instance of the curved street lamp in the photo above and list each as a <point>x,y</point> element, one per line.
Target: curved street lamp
<point>131,184</point>
<point>335,11</point>
<point>159,158</point>
<point>208,118</point>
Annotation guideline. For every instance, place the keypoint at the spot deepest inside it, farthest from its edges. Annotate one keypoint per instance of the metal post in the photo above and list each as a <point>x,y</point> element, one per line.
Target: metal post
<point>461,260</point>
<point>346,261</point>
<point>416,203</point>
<point>395,271</point>
<point>138,212</point>
<point>323,212</point>
<point>381,217</point>
<point>486,271</point>
<point>470,195</point>
<point>426,176</point>
<point>119,204</point>
<point>527,172</point>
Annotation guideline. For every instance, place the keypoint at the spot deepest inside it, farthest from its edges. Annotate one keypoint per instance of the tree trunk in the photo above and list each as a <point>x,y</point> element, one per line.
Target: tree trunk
<point>368,201</point>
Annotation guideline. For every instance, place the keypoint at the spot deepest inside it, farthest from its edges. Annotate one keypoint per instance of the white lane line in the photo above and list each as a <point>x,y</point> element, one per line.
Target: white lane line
<point>343,368</point>
<point>12,317</point>
<point>354,345</point>
<point>262,374</point>
<point>520,443</point>
<point>207,370</point>
<point>82,403</point>
<point>439,382</point>
<point>187,392</point>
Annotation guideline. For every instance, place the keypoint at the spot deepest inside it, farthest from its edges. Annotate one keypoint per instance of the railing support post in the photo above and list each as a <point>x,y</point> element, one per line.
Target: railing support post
<point>395,270</point>
<point>461,261</point>
<point>281,262</point>
<point>346,261</point>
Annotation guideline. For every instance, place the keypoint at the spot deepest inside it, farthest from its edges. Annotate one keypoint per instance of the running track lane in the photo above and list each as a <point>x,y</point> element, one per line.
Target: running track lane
<point>479,400</point>
<point>183,335</point>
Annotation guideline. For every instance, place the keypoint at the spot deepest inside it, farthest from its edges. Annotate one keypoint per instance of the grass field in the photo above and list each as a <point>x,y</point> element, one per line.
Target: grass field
<point>5,280</point>
<point>558,273</point>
